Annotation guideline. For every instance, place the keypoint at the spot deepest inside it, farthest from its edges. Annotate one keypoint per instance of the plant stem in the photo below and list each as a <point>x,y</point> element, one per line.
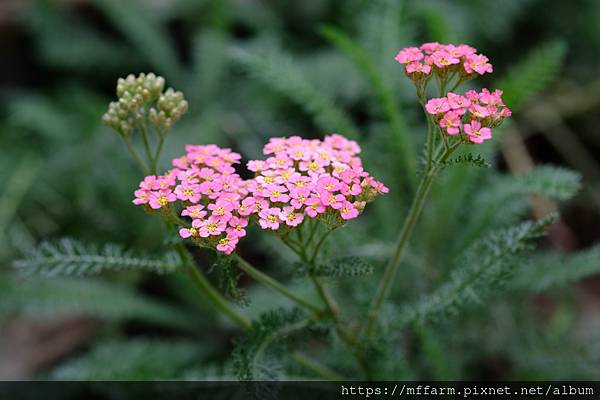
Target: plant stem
<point>147,146</point>
<point>316,367</point>
<point>318,246</point>
<point>209,291</point>
<point>275,285</point>
<point>405,234</point>
<point>161,142</point>
<point>135,156</point>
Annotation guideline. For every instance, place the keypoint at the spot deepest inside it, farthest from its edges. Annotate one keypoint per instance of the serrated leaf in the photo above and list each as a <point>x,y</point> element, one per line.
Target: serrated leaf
<point>468,159</point>
<point>68,257</point>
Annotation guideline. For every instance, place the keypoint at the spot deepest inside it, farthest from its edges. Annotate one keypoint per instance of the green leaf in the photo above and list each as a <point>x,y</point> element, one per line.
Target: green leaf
<point>485,267</point>
<point>278,71</point>
<point>468,159</point>
<point>250,357</point>
<point>533,74</point>
<point>138,359</point>
<point>338,267</point>
<point>68,257</point>
<point>400,136</point>
<point>67,297</point>
<point>551,269</point>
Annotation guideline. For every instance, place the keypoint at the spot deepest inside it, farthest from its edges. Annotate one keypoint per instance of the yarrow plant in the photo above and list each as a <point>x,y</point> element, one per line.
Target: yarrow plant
<point>302,189</point>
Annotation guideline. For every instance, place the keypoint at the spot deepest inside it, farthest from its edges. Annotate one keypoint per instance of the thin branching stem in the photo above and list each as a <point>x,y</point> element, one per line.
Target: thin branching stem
<point>135,155</point>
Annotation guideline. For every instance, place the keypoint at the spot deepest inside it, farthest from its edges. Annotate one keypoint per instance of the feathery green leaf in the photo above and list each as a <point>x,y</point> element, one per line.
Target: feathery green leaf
<point>277,71</point>
<point>68,257</point>
<point>533,74</point>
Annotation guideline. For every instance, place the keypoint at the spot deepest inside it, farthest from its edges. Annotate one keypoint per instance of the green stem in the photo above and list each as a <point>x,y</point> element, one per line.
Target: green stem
<point>161,142</point>
<point>274,284</point>
<point>209,291</point>
<point>147,147</point>
<point>316,367</point>
<point>405,234</point>
<point>318,246</point>
<point>136,156</point>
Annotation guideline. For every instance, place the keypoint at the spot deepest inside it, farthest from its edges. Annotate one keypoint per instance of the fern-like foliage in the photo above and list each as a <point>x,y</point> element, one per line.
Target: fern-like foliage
<point>468,159</point>
<point>551,270</point>
<point>251,357</point>
<point>485,266</point>
<point>68,257</point>
<point>278,72</point>
<point>533,74</point>
<point>337,267</point>
<point>509,192</point>
<point>401,138</point>
<point>138,359</point>
<point>104,300</point>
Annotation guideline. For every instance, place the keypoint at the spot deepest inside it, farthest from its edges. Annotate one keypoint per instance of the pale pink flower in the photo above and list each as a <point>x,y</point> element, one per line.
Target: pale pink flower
<point>269,218</point>
<point>430,47</point>
<point>442,59</point>
<point>409,54</point>
<point>161,199</point>
<point>477,63</point>
<point>291,216</point>
<point>314,207</point>
<point>437,105</point>
<point>188,232</point>
<point>141,197</point>
<point>227,244</point>
<point>188,192</point>
<point>277,193</point>
<point>221,209</point>
<point>327,183</point>
<point>418,67</point>
<point>211,227</point>
<point>458,102</point>
<point>332,200</point>
<point>476,133</point>
<point>194,212</point>
<point>348,211</point>
<point>236,227</point>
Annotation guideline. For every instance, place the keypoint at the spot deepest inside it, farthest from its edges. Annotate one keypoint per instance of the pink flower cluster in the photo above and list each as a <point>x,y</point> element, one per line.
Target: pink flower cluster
<point>299,179</point>
<point>442,58</point>
<point>205,182</point>
<point>474,112</point>
<point>307,178</point>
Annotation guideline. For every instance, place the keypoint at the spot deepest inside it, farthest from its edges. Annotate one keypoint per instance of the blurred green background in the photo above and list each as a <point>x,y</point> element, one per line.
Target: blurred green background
<point>254,69</point>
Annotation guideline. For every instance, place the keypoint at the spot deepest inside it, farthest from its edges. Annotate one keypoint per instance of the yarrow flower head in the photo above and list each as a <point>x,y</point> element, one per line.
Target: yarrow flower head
<point>443,59</point>
<point>471,112</point>
<point>299,179</point>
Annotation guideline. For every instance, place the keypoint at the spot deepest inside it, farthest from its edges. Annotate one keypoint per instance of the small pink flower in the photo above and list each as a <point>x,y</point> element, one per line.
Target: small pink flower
<point>257,165</point>
<point>430,47</point>
<point>450,122</point>
<point>291,216</point>
<point>236,227</point>
<point>269,218</point>
<point>281,160</point>
<point>194,212</point>
<point>327,183</point>
<point>186,233</point>
<point>142,196</point>
<point>479,111</point>
<point>408,55</point>
<point>227,244</point>
<point>161,198</point>
<point>189,192</point>
<point>476,133</point>
<point>437,106</point>
<point>348,211</point>
<point>442,59</point>
<point>277,193</point>
<point>458,102</point>
<point>211,227</point>
<point>221,209</point>
<point>299,197</point>
<point>418,67</point>
<point>477,63</point>
<point>334,201</point>
<point>314,207</point>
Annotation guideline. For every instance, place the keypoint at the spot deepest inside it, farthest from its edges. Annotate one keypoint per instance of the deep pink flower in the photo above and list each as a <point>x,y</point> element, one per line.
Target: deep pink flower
<point>477,63</point>
<point>450,122</point>
<point>236,227</point>
<point>458,102</point>
<point>211,227</point>
<point>476,133</point>
<point>418,67</point>
<point>227,244</point>
<point>194,212</point>
<point>442,59</point>
<point>314,207</point>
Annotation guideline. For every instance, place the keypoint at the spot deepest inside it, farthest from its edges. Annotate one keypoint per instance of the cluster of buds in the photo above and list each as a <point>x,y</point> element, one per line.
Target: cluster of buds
<point>474,113</point>
<point>136,97</point>
<point>300,179</point>
<point>443,60</point>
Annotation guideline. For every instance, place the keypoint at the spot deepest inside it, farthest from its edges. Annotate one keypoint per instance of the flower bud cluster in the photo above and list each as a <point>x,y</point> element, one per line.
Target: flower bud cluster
<point>299,179</point>
<point>138,94</point>
<point>474,113</point>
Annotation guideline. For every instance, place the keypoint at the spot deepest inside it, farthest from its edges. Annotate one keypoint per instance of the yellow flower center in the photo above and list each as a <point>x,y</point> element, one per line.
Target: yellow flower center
<point>272,218</point>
